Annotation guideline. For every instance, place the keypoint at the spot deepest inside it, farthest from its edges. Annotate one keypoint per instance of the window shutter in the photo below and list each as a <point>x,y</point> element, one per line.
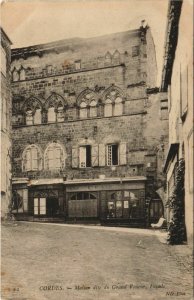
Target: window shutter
<point>101,155</point>
<point>57,160</point>
<point>34,159</point>
<point>28,160</point>
<point>94,155</point>
<point>122,154</point>
<point>74,157</point>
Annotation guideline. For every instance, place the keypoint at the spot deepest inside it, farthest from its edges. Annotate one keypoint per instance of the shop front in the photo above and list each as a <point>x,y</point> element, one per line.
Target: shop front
<point>111,200</point>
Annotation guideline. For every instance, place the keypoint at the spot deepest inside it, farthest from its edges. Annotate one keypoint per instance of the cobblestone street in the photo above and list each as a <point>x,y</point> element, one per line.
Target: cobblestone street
<point>50,261</point>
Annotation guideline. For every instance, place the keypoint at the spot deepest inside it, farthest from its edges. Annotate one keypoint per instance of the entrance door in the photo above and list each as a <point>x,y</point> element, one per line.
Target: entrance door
<point>52,206</point>
<point>83,205</point>
<point>156,210</point>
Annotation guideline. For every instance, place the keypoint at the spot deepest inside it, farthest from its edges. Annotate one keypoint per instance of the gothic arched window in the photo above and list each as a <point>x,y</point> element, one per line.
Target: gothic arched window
<point>37,116</point>
<point>118,109</point>
<point>51,114</point>
<point>29,117</point>
<point>32,159</point>
<point>93,109</point>
<point>22,74</point>
<point>108,108</point>
<point>83,110</point>
<point>54,157</point>
<point>15,75</point>
<point>60,114</point>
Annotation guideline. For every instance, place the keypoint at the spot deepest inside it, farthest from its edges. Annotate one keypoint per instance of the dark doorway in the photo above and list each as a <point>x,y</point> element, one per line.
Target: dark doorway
<point>156,210</point>
<point>52,206</point>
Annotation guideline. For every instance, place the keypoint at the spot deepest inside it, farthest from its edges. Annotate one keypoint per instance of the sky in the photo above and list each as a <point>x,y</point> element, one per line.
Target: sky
<point>31,22</point>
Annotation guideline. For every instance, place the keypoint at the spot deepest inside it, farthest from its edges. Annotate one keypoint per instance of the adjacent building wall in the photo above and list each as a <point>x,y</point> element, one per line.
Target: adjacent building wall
<point>6,113</point>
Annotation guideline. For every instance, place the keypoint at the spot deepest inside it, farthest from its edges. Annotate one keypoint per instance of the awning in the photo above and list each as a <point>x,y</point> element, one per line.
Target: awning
<point>45,181</point>
<point>105,180</point>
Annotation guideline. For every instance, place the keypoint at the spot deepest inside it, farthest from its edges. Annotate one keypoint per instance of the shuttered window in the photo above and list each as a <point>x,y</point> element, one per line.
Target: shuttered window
<point>102,155</point>
<point>85,156</point>
<point>54,157</point>
<point>112,155</point>
<point>75,157</point>
<point>94,155</point>
<point>122,154</point>
<point>32,159</point>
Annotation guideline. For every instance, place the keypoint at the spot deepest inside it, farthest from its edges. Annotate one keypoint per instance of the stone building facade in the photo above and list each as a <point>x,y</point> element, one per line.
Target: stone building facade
<point>90,130</point>
<point>177,80</point>
<point>6,117</point>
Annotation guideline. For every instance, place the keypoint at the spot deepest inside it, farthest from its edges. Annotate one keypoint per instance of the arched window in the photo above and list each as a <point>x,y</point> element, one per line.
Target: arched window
<point>60,114</point>
<point>108,108</point>
<point>15,75</point>
<point>54,157</point>
<point>51,115</point>
<point>118,109</point>
<point>83,110</point>
<point>108,58</point>
<point>22,74</point>
<point>37,116</point>
<point>31,159</point>
<point>93,109</point>
<point>29,117</point>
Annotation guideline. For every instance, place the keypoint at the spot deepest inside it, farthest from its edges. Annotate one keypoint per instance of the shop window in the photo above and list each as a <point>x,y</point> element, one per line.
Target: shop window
<point>118,109</point>
<point>93,109</point>
<point>51,115</point>
<point>29,117</point>
<point>3,61</point>
<point>83,110</point>
<point>83,196</point>
<point>112,155</point>
<point>108,108</point>
<point>32,159</point>
<point>39,206</point>
<point>60,114</point>
<point>85,156</point>
<point>54,157</point>
<point>37,116</point>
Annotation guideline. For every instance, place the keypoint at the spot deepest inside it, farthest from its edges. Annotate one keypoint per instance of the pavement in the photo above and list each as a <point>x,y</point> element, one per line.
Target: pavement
<point>66,261</point>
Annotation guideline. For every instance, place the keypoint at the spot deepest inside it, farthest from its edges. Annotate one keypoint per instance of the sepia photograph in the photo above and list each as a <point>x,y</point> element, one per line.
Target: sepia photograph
<point>96,149</point>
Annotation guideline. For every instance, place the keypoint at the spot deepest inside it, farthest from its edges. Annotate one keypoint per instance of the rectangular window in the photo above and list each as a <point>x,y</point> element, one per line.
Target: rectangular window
<point>78,64</point>
<point>85,156</point>
<point>112,155</point>
<point>39,206</point>
<point>135,51</point>
<point>183,91</point>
